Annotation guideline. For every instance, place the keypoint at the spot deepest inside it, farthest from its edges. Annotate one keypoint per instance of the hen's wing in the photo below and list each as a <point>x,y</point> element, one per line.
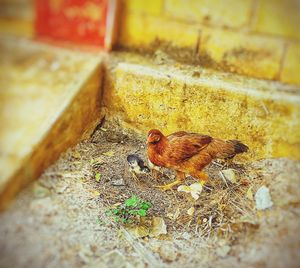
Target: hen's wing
<point>177,134</point>
<point>183,146</point>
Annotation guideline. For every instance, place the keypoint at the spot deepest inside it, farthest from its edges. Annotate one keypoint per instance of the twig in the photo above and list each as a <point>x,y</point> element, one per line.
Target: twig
<point>210,220</point>
<point>237,207</point>
<point>141,250</point>
<point>217,164</point>
<point>223,178</point>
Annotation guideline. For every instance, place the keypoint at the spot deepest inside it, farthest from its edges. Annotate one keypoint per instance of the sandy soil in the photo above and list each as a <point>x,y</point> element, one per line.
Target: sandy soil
<point>60,220</point>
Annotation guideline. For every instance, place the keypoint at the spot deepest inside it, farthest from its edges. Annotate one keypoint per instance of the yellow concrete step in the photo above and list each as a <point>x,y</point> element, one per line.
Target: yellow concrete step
<point>49,100</point>
<point>144,93</point>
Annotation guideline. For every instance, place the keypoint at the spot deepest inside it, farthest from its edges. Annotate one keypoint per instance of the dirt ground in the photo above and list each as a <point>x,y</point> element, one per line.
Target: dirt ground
<point>60,220</point>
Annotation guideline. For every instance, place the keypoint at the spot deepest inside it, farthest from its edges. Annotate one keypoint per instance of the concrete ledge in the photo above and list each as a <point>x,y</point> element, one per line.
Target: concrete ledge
<point>50,99</point>
<point>18,27</point>
<point>265,115</point>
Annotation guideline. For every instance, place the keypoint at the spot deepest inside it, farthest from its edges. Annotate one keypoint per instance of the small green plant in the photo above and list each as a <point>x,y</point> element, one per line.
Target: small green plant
<point>97,177</point>
<point>126,212</point>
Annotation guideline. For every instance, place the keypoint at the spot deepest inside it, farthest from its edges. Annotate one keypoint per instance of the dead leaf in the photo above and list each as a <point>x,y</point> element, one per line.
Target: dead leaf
<point>158,227</point>
<point>176,214</point>
<point>249,194</point>
<point>76,155</point>
<point>248,219</point>
<point>139,231</point>
<point>116,204</point>
<point>229,174</point>
<point>97,161</point>
<point>98,177</point>
<point>109,153</point>
<point>191,211</point>
<point>170,216</point>
<point>194,189</point>
<point>95,193</point>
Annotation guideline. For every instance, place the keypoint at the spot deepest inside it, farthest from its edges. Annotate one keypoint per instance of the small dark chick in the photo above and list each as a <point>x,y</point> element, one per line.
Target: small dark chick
<point>136,165</point>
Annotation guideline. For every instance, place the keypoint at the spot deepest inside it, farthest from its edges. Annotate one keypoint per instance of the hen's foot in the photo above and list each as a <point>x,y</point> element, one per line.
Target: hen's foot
<point>203,182</point>
<point>201,176</point>
<point>168,186</point>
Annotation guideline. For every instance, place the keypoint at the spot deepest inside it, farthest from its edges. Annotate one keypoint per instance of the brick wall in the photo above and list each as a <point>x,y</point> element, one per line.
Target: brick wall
<point>259,38</point>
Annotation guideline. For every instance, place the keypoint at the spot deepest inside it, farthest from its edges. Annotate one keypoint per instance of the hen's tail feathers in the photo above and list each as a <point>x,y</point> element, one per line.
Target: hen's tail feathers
<point>239,147</point>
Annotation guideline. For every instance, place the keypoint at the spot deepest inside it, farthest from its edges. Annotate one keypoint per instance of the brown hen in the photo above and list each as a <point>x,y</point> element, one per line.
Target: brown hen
<point>189,153</point>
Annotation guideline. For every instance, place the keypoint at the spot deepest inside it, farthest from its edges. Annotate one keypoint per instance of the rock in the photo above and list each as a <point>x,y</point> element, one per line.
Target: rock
<point>111,259</point>
<point>263,198</point>
<point>85,254</point>
<point>59,189</point>
<point>196,74</point>
<point>160,57</point>
<point>45,205</point>
<point>165,249</point>
<point>40,191</point>
<point>168,253</point>
<point>186,236</point>
<point>116,181</point>
<point>223,249</point>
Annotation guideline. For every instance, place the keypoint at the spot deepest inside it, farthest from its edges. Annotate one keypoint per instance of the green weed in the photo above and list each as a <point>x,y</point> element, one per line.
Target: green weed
<point>129,209</point>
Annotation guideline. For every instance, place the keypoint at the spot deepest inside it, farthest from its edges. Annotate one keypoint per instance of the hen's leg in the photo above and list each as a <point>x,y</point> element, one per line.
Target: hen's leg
<point>180,177</point>
<point>203,177</point>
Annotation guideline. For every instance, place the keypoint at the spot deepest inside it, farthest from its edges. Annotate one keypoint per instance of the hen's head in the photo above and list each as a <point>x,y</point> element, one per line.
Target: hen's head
<point>154,136</point>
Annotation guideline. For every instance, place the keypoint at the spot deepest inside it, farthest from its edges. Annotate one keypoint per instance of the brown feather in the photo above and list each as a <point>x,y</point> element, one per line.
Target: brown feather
<point>186,146</point>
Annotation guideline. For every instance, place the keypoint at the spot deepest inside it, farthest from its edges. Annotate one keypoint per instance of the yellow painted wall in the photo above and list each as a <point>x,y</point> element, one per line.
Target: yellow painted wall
<point>142,95</point>
<point>258,38</point>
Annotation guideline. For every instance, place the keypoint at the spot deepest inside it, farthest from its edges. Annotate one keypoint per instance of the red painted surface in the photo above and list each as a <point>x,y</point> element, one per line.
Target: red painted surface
<point>76,21</point>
